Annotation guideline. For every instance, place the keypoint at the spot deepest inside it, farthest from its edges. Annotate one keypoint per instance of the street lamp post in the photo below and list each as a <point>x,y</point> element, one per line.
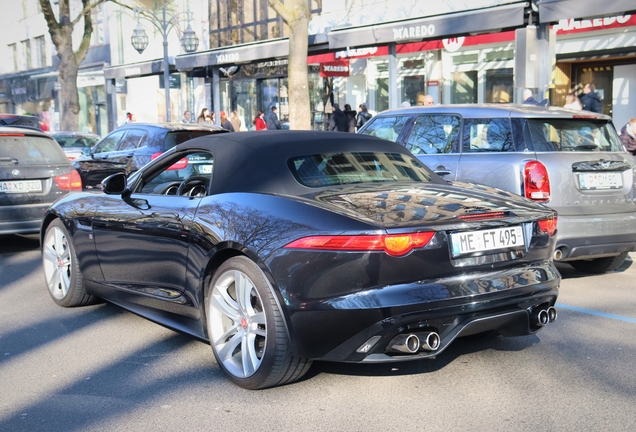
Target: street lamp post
<point>163,23</point>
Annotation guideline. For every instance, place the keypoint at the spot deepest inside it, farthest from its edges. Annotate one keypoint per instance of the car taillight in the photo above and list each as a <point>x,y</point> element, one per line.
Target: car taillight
<point>181,164</point>
<point>548,225</point>
<point>536,181</point>
<point>70,182</point>
<point>392,244</point>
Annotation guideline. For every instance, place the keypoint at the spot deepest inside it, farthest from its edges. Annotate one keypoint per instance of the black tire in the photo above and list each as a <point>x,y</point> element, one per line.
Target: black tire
<point>61,268</point>
<point>599,265</point>
<point>249,341</point>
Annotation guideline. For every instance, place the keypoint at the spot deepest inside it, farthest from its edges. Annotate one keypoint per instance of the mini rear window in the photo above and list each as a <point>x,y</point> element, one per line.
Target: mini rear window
<point>30,150</point>
<point>330,169</point>
<point>573,135</point>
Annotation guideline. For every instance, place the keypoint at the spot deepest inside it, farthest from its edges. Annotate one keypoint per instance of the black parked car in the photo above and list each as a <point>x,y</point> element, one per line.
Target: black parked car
<point>281,247</point>
<point>131,146</point>
<point>34,172</point>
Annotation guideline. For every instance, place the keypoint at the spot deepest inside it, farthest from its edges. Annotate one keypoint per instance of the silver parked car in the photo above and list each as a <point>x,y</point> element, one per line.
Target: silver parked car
<point>572,161</point>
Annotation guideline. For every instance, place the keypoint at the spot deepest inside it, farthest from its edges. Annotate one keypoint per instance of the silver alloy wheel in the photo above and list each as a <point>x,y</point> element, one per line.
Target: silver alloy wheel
<point>237,324</point>
<point>57,262</point>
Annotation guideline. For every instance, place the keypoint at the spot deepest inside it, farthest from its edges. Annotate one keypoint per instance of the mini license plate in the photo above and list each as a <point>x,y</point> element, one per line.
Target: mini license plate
<point>608,180</point>
<point>486,240</point>
<point>21,186</point>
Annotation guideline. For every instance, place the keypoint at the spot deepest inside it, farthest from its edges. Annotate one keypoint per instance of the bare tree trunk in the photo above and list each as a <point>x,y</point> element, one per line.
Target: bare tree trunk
<point>300,112</point>
<point>296,16</point>
<point>69,94</point>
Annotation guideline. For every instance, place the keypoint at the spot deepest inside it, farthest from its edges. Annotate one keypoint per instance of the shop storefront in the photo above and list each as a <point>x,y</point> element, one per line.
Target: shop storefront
<point>30,95</point>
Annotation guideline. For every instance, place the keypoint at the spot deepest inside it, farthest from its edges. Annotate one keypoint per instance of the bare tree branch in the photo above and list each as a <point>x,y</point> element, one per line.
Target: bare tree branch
<point>88,31</point>
<point>281,10</point>
<point>88,8</point>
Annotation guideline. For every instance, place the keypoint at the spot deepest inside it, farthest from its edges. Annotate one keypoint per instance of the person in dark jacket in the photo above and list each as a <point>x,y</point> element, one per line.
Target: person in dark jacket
<point>338,121</point>
<point>363,116</point>
<point>271,119</point>
<point>225,123</point>
<point>528,98</point>
<point>628,136</point>
<point>351,118</point>
<point>591,100</point>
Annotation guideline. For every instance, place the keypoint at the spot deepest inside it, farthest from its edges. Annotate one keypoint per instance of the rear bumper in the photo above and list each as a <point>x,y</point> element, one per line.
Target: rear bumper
<point>580,237</point>
<point>22,219</point>
<point>343,328</point>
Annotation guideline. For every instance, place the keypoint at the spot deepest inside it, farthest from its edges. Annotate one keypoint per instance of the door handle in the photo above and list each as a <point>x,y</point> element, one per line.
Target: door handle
<point>441,171</point>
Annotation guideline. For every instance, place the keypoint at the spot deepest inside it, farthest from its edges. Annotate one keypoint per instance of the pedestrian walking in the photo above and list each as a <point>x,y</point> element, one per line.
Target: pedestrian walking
<point>204,116</point>
<point>351,118</point>
<point>225,123</point>
<point>363,116</point>
<point>590,100</point>
<point>187,117</point>
<point>235,120</point>
<point>271,119</point>
<point>572,102</point>
<point>628,136</point>
<point>338,120</point>
<point>259,123</point>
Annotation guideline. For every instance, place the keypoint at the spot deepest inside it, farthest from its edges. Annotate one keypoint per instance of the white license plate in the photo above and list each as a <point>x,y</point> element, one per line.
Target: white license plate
<point>590,181</point>
<point>486,240</point>
<point>21,186</point>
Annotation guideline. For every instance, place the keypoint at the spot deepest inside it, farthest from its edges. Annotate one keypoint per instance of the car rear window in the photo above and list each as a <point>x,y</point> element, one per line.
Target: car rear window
<point>332,169</point>
<point>573,135</point>
<point>178,137</point>
<point>30,150</point>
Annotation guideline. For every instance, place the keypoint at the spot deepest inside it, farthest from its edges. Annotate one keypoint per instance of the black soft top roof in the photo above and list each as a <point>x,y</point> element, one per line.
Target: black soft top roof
<point>257,161</point>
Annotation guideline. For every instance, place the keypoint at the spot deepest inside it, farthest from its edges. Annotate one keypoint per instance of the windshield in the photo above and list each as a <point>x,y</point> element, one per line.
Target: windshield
<point>573,135</point>
<point>331,169</point>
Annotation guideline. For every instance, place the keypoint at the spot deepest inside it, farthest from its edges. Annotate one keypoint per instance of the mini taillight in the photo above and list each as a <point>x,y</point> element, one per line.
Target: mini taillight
<point>392,244</point>
<point>536,181</point>
<point>548,225</point>
<point>181,164</point>
<point>70,182</point>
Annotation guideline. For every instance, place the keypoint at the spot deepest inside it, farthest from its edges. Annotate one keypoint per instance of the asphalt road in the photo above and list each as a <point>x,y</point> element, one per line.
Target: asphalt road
<point>100,368</point>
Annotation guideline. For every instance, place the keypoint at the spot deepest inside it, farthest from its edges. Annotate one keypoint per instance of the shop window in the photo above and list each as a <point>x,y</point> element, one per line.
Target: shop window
<point>26,48</point>
<point>381,94</point>
<point>499,55</point>
<point>499,85</point>
<point>413,86</point>
<point>13,49</point>
<point>41,51</point>
<point>464,87</point>
<point>469,58</point>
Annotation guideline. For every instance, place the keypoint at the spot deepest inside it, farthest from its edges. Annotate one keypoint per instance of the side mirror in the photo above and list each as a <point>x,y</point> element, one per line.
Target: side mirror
<point>115,184</point>
<point>86,151</point>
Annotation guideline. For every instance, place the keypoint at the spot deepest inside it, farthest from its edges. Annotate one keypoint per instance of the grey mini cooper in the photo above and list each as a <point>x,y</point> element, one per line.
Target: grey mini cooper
<point>572,161</point>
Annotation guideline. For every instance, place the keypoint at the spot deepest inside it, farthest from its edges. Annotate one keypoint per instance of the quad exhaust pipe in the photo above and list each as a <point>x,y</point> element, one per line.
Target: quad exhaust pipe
<point>541,317</point>
<point>411,343</point>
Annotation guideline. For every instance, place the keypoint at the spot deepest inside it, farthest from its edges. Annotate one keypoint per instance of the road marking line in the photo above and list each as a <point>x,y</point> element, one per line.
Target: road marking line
<point>597,313</point>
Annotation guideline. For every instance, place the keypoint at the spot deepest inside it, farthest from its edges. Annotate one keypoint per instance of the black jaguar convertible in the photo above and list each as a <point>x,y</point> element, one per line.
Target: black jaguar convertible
<point>283,247</point>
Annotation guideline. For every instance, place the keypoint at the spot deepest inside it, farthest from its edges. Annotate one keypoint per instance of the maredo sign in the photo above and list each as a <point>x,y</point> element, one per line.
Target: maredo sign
<point>335,69</point>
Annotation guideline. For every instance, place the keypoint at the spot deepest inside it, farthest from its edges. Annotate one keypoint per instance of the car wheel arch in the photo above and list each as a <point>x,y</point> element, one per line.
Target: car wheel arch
<point>223,254</point>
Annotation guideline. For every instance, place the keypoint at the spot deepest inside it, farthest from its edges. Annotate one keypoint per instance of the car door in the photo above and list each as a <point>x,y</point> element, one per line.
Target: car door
<point>142,240</point>
<point>124,158</point>
<point>434,139</point>
<point>97,166</point>
<point>491,154</point>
